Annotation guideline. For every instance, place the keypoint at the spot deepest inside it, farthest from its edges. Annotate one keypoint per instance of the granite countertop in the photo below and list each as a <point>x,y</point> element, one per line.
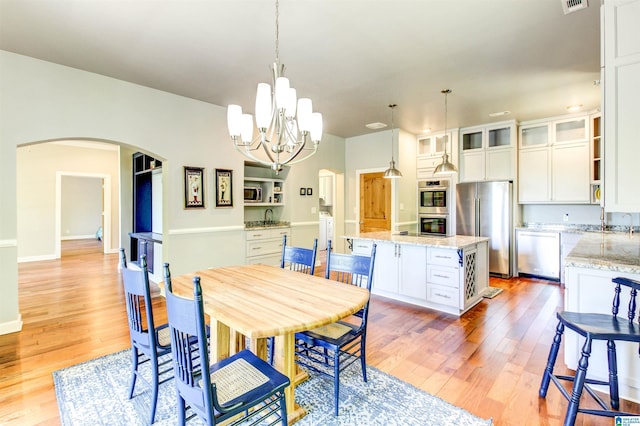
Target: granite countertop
<point>611,251</point>
<point>455,241</point>
<point>260,224</point>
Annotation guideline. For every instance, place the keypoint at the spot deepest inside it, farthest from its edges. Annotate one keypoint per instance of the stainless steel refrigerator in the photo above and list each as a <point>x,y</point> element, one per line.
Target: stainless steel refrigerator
<point>485,209</point>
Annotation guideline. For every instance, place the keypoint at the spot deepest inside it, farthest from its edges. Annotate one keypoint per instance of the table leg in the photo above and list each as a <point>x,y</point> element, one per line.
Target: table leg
<point>285,362</point>
<point>219,341</point>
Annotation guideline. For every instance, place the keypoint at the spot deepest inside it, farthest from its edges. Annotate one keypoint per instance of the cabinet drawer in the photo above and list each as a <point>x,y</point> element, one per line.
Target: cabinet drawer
<point>443,257</point>
<point>279,232</point>
<point>262,247</point>
<point>428,162</point>
<point>263,234</point>
<point>443,275</point>
<point>443,295</point>
<point>362,247</point>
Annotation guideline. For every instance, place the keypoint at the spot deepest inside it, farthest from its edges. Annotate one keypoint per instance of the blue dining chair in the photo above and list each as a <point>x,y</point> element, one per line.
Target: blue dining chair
<point>146,346</point>
<point>330,349</point>
<point>594,326</point>
<point>298,258</point>
<point>241,385</point>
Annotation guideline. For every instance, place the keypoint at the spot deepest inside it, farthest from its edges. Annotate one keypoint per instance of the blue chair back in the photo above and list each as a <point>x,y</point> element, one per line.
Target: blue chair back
<point>186,322</point>
<point>139,305</point>
<point>352,269</point>
<point>299,259</point>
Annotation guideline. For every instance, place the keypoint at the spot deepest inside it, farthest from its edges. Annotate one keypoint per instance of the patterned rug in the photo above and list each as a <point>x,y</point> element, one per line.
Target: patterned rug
<point>95,393</point>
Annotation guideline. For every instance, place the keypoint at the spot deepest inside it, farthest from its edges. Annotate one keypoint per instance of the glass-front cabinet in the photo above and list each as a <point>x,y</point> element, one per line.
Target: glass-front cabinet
<point>431,147</point>
<point>554,164</point>
<point>488,152</point>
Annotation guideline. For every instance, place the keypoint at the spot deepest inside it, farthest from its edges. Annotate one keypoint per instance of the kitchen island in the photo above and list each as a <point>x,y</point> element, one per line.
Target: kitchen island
<point>596,259</point>
<point>448,274</point>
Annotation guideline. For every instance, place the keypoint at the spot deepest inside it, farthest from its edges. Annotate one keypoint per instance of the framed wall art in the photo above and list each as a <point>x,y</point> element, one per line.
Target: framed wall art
<point>193,187</point>
<point>224,188</point>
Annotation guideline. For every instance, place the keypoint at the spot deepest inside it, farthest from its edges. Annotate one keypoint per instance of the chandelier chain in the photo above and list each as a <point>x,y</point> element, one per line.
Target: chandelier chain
<point>277,32</point>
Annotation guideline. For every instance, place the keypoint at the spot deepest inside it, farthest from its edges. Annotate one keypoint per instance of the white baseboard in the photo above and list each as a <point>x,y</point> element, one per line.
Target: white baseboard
<point>11,326</point>
<point>78,237</point>
<point>36,258</point>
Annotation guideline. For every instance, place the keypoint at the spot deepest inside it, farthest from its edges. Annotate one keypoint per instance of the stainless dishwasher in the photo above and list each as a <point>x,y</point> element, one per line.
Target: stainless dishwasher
<point>538,253</point>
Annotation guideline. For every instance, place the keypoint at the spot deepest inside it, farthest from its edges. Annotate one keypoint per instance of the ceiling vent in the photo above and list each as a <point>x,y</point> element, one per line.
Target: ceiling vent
<point>570,6</point>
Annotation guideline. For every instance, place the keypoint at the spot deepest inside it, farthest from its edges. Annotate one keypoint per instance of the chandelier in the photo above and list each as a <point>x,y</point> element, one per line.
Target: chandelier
<point>285,124</point>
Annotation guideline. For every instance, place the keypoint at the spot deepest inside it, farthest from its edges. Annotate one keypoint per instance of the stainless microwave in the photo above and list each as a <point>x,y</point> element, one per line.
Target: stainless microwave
<point>252,194</point>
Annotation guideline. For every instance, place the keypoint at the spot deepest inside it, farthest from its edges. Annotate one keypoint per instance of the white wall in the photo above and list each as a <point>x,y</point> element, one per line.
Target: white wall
<point>42,101</point>
<point>81,199</point>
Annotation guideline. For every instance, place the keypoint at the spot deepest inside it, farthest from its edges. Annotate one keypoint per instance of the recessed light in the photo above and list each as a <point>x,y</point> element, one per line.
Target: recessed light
<point>499,113</point>
<point>574,108</point>
<point>427,130</point>
<point>376,125</point>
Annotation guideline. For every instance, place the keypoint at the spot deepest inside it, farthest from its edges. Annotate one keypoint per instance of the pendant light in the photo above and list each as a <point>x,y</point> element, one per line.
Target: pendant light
<point>446,167</point>
<point>392,172</point>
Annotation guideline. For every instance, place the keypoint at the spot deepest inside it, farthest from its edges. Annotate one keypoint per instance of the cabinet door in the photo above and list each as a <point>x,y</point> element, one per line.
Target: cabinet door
<point>534,176</point>
<point>621,93</point>
<point>570,171</point>
<point>500,164</point>
<point>413,271</point>
<point>385,274</point>
<point>472,167</point>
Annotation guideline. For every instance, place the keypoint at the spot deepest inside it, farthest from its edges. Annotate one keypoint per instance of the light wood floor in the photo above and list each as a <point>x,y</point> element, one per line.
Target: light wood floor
<point>489,361</point>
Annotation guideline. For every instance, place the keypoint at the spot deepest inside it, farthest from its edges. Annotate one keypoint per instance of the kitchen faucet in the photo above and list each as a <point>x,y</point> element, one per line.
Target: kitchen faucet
<point>266,214</point>
<point>631,224</point>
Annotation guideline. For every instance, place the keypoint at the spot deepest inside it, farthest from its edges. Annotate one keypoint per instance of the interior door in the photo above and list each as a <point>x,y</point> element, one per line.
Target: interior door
<point>375,202</point>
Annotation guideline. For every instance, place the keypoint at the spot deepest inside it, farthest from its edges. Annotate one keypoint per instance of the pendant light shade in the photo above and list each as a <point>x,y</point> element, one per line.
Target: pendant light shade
<point>446,167</point>
<point>392,172</point>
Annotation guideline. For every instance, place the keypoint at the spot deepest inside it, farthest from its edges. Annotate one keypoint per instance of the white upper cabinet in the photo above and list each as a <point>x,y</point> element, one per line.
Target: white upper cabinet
<point>488,152</point>
<point>431,147</point>
<point>554,161</point>
<point>621,44</point>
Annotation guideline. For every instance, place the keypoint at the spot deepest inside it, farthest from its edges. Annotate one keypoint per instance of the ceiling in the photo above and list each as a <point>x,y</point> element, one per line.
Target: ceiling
<point>351,57</point>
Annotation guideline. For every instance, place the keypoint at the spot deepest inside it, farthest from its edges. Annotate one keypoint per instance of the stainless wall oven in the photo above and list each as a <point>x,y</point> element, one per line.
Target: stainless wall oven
<point>433,196</point>
<point>433,224</point>
<point>435,205</point>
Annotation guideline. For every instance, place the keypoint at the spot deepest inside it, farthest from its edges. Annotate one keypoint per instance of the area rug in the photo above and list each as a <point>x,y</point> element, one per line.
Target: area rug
<point>95,393</point>
<point>492,292</point>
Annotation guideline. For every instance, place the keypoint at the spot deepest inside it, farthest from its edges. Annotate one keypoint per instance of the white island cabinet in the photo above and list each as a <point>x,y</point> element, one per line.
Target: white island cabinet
<point>448,274</point>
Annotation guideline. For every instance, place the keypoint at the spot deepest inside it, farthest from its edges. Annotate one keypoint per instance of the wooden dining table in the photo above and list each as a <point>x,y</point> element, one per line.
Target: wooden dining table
<point>260,301</point>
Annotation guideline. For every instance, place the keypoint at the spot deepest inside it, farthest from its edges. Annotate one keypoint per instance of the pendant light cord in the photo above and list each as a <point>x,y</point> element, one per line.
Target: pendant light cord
<point>392,106</point>
<point>446,108</point>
